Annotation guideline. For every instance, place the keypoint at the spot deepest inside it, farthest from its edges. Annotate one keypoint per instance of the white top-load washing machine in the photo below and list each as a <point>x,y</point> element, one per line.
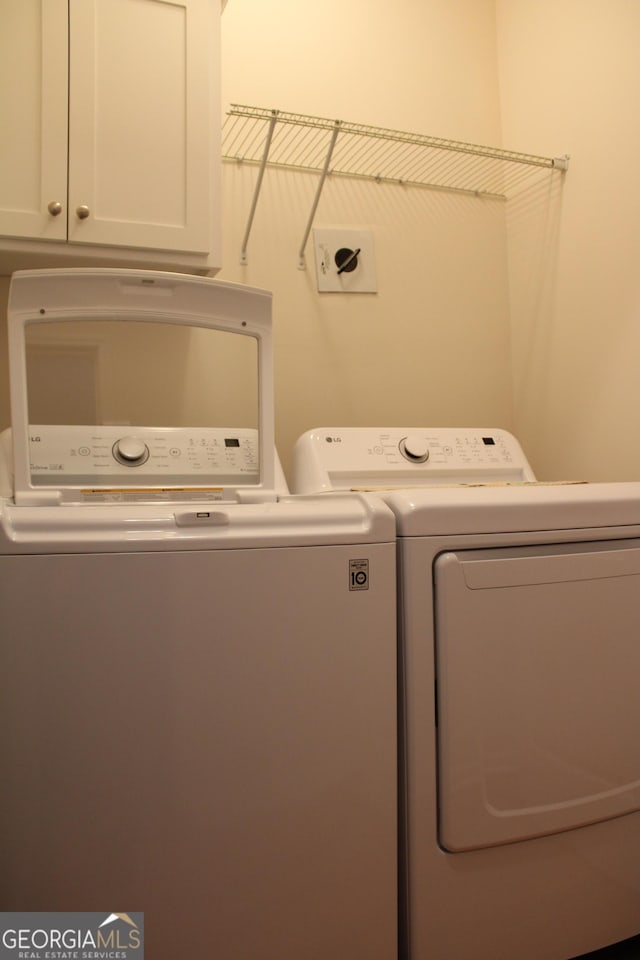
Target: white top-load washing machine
<point>520,651</point>
<point>197,676</point>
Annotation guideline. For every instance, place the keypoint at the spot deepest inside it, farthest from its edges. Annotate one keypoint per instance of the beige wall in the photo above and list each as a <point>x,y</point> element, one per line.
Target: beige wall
<point>424,62</point>
<point>464,302</point>
<point>570,81</point>
<point>432,347</point>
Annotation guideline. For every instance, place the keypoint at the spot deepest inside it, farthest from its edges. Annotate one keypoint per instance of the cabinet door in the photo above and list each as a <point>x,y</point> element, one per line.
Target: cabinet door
<point>33,118</point>
<point>141,123</point>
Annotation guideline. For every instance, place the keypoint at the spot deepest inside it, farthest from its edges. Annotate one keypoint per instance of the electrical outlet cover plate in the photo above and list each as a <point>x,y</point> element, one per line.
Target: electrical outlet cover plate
<point>362,279</point>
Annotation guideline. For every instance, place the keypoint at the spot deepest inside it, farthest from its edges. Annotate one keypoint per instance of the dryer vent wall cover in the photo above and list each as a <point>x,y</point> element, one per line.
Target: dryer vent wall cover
<point>345,261</point>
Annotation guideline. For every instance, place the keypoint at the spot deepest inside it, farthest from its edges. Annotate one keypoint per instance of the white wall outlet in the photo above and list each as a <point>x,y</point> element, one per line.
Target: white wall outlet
<point>345,261</point>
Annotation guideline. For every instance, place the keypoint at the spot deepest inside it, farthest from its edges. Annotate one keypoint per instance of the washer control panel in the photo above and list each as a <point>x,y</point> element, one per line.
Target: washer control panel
<point>149,456</point>
<point>343,458</point>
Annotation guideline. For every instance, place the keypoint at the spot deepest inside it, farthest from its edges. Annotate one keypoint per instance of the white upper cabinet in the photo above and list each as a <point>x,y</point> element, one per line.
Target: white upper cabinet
<point>110,149</point>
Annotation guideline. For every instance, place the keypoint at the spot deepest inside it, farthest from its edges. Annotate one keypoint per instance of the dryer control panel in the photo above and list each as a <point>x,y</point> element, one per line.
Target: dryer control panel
<point>334,458</point>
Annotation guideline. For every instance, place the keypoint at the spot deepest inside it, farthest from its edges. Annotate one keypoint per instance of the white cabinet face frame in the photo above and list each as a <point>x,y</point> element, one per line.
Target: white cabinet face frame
<point>34,56</point>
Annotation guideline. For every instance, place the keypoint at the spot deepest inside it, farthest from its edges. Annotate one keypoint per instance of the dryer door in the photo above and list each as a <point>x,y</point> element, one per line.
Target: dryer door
<point>538,660</point>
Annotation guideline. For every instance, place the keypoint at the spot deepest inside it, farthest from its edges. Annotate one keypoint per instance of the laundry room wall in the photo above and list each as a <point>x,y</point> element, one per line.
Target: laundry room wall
<point>518,315</point>
<point>570,82</point>
<point>432,346</point>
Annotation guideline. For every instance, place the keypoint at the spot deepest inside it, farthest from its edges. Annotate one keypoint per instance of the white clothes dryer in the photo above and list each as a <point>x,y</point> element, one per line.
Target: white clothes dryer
<point>197,701</point>
<point>519,629</point>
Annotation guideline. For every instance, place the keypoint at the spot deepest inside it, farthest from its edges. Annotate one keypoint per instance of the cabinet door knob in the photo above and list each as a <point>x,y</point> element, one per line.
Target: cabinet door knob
<point>82,212</point>
<point>55,208</point>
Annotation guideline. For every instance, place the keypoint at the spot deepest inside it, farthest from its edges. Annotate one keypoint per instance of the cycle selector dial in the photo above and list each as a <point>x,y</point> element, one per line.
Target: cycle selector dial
<point>130,451</point>
<point>415,449</point>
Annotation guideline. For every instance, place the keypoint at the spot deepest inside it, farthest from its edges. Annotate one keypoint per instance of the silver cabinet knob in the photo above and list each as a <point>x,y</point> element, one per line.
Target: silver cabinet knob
<point>82,212</point>
<point>55,208</point>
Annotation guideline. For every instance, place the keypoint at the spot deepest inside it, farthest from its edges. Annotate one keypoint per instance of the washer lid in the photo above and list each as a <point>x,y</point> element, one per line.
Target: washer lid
<point>444,511</point>
<point>289,522</point>
<point>132,380</point>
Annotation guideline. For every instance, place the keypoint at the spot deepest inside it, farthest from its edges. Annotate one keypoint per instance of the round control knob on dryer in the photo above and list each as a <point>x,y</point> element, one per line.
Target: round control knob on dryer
<point>132,451</point>
<point>415,449</point>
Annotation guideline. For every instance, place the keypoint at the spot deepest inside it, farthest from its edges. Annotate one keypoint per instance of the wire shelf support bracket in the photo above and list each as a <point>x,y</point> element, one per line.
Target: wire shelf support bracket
<point>316,199</point>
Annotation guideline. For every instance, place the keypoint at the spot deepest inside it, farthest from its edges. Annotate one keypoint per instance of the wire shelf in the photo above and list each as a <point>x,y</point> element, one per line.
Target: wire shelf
<point>275,138</point>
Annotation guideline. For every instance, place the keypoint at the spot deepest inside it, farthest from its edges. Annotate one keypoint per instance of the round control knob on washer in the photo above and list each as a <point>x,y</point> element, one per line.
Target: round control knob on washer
<point>415,449</point>
<point>131,451</point>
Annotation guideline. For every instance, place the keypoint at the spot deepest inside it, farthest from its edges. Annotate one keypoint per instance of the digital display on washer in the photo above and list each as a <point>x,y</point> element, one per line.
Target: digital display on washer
<point>488,441</point>
<point>231,442</point>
